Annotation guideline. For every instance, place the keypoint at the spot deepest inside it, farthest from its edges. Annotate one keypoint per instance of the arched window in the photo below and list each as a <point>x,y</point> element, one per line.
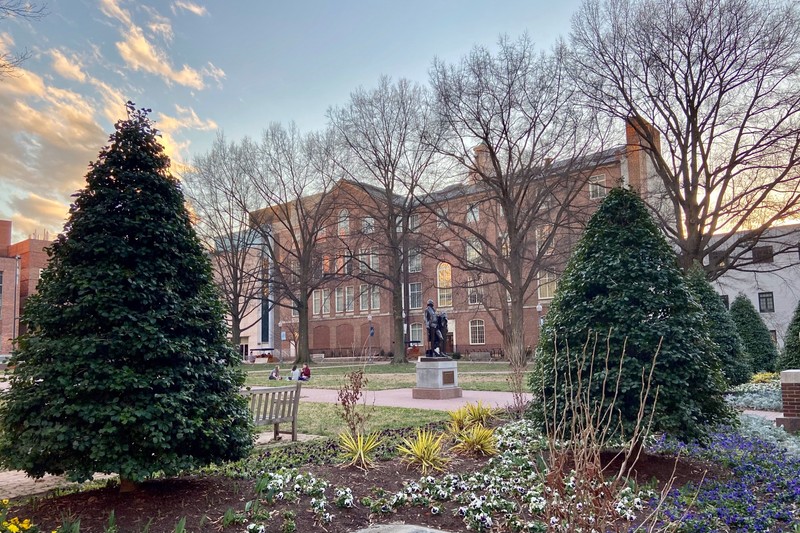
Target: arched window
<point>444,284</point>
<point>477,332</point>
<point>344,222</point>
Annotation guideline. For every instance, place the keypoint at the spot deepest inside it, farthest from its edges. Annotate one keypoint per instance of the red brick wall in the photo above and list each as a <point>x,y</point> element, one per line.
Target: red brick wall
<point>791,399</point>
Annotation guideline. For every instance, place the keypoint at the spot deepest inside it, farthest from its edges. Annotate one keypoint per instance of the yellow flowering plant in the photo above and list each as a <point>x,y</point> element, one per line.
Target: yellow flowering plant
<point>14,525</point>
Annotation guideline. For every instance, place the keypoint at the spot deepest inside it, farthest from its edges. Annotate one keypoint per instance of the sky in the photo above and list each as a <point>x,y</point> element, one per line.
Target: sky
<point>211,67</point>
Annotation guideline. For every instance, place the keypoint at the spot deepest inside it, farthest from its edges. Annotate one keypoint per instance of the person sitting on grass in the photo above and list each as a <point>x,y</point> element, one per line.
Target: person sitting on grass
<point>295,374</point>
<point>305,374</point>
<point>276,373</point>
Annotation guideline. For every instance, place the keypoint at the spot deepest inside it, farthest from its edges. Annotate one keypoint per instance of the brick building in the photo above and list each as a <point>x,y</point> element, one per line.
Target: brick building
<point>20,267</point>
<point>351,314</point>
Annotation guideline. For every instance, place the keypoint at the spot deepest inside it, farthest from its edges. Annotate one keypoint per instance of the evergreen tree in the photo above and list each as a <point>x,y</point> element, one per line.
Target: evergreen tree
<point>790,357</point>
<point>728,345</point>
<point>755,335</point>
<point>623,291</point>
<point>125,366</point>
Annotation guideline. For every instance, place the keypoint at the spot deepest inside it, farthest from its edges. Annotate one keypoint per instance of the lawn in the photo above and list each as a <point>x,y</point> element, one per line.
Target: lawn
<point>323,418</point>
<point>382,376</point>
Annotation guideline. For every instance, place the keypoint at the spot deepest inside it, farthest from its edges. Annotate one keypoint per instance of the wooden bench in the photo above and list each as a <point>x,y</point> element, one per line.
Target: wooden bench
<point>274,405</point>
<point>480,356</point>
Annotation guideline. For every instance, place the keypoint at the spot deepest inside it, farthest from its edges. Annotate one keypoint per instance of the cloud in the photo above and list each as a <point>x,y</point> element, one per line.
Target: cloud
<point>158,23</point>
<point>70,67</point>
<point>33,213</point>
<point>112,9</point>
<point>169,126</point>
<point>141,54</point>
<point>191,7</point>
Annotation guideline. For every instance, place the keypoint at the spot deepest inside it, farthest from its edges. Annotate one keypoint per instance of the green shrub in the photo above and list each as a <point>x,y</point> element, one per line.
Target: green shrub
<point>790,356</point>
<point>125,367</point>
<point>623,292</point>
<point>755,335</point>
<point>725,340</point>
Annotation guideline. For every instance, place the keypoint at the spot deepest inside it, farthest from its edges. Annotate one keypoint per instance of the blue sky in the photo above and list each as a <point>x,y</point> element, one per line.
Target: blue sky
<point>206,67</point>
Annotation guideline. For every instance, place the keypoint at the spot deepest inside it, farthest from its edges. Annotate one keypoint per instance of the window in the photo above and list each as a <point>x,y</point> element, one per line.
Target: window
<point>413,222</point>
<point>474,294</point>
<point>444,285</point>
<point>505,249</point>
<point>547,285</point>
<point>367,225</point>
<point>339,299</point>
<point>326,264</point>
<point>321,303</point>
<point>441,217</point>
<point>415,295</point>
<point>414,261</point>
<point>415,332</point>
<point>725,301</point>
<point>244,348</point>
<point>763,254</point>
<point>717,259</point>
<point>369,297</point>
<point>544,238</point>
<point>597,187</point>
<point>295,312</point>
<point>774,336</point>
<point>473,214</point>
<point>374,260</point>
<point>348,265</point>
<point>766,302</point>
<point>477,332</point>
<point>349,299</point>
<point>473,249</point>
<point>344,222</point>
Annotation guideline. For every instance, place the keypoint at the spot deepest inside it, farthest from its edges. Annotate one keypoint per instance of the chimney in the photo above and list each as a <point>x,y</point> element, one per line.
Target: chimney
<point>641,139</point>
<point>483,162</point>
<point>5,237</point>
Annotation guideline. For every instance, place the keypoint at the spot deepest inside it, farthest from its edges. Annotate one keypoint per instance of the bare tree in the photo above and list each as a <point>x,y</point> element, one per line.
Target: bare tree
<point>387,133</point>
<point>222,198</point>
<point>293,175</point>
<point>526,147</point>
<point>712,88</point>
<point>17,9</point>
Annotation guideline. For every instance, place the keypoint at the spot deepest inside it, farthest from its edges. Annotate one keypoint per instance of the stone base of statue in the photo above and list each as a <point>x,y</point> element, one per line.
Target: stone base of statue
<point>437,379</point>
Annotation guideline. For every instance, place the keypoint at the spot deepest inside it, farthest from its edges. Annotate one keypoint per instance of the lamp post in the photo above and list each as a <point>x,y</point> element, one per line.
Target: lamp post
<point>371,334</point>
<point>15,317</point>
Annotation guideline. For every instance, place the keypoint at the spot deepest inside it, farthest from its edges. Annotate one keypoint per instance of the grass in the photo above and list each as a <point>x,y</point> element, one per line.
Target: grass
<point>323,418</point>
<point>471,376</point>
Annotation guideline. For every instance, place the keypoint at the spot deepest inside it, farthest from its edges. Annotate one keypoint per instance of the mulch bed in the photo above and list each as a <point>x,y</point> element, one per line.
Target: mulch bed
<point>203,500</point>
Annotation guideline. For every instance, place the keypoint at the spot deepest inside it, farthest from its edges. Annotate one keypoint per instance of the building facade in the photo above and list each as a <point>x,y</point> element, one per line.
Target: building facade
<point>770,280</point>
<point>352,313</point>
<point>21,266</point>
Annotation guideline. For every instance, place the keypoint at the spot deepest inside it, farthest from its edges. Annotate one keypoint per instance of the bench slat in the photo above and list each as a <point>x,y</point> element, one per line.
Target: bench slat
<point>274,405</point>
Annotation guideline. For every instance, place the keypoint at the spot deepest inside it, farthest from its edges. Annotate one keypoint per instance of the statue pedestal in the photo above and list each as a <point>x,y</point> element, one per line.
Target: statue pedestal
<point>437,379</point>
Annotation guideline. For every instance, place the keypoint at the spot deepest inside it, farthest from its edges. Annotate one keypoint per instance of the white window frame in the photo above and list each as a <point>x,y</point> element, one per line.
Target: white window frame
<point>367,225</point>
<point>349,299</point>
<point>414,260</point>
<point>339,300</point>
<point>549,282</point>
<point>473,214</point>
<point>477,332</point>
<point>414,293</point>
<point>415,332</point>
<point>344,222</point>
<point>597,187</point>
<point>444,290</point>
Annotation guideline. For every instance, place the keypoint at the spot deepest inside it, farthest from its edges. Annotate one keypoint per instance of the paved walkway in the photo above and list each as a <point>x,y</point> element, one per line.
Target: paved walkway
<point>15,483</point>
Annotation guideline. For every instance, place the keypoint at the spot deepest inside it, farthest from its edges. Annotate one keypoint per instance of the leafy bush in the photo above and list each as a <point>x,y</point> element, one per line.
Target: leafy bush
<point>765,377</point>
<point>622,292</point>
<point>125,367</point>
<point>476,440</point>
<point>754,333</point>
<point>725,340</point>
<point>359,448</point>
<point>759,396</point>
<point>790,356</point>
<point>425,451</point>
